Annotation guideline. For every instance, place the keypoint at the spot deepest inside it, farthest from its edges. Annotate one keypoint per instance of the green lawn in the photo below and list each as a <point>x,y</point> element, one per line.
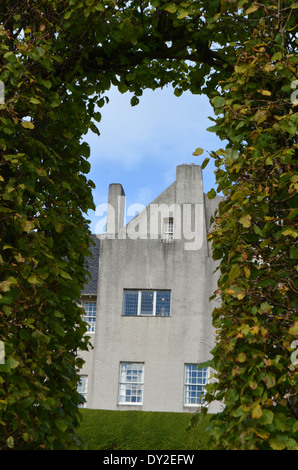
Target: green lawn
<point>139,430</point>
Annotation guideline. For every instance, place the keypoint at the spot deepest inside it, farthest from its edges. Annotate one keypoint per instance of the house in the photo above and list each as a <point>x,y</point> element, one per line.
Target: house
<point>147,303</point>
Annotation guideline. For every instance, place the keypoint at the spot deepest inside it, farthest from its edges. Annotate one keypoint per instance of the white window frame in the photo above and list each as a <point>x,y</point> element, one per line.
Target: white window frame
<point>199,383</point>
<point>168,230</point>
<point>135,386</point>
<point>139,312</point>
<point>82,389</point>
<point>86,317</point>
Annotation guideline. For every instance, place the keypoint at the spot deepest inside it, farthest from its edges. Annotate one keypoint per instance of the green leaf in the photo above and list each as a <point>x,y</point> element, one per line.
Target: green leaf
<point>134,101</point>
<point>293,330</point>
<point>234,272</point>
<point>59,330</point>
<point>32,279</point>
<point>267,417</point>
<point>245,220</point>
<point>198,152</point>
<point>182,14</point>
<point>205,163</point>
<point>97,117</point>
<point>209,363</point>
<point>46,83</point>
<point>254,7</point>
<point>269,380</point>
<point>27,124</point>
<point>10,442</point>
<point>276,56</point>
<point>218,102</point>
<point>211,194</point>
<point>34,101</point>
<point>55,100</point>
<point>178,92</point>
<point>241,357</point>
<point>11,363</point>
<point>171,8</point>
<point>276,444</point>
<point>61,424</point>
<point>59,227</point>
<point>257,411</point>
<point>293,233</point>
<point>65,275</point>
<point>265,307</point>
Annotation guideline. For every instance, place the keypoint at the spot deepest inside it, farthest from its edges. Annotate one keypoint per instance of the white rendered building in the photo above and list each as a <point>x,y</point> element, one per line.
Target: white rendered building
<point>147,302</point>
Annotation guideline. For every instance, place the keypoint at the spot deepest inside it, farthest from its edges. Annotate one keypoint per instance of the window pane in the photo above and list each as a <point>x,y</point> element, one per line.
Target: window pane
<point>90,315</point>
<point>82,390</point>
<point>147,303</point>
<point>131,383</point>
<point>195,381</point>
<point>131,302</point>
<point>163,303</point>
<point>168,231</point>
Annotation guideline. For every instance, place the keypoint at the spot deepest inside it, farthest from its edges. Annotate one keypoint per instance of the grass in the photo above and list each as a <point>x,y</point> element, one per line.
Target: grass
<point>140,430</point>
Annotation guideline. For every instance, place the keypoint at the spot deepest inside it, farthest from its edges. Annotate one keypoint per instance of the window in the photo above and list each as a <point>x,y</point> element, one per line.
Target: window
<point>131,383</point>
<point>82,389</point>
<point>147,302</point>
<point>90,315</point>
<point>168,230</point>
<point>194,385</point>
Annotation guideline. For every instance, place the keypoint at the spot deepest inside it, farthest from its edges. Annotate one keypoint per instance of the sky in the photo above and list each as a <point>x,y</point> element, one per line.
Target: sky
<point>140,146</point>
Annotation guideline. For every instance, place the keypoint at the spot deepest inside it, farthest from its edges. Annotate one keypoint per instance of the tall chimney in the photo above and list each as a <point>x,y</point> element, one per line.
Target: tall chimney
<point>189,181</point>
<point>116,208</point>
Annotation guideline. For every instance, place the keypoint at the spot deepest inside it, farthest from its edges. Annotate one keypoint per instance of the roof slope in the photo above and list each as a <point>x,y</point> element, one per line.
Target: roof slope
<point>93,266</point>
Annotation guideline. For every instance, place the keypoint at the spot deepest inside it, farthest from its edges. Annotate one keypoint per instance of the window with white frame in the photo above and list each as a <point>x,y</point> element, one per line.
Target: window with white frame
<point>194,384</point>
<point>82,389</point>
<point>147,302</point>
<point>168,230</point>
<point>90,315</point>
<point>131,383</point>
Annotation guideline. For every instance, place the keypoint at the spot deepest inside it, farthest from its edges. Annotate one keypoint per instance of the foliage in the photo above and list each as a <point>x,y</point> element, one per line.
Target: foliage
<point>57,60</point>
<point>255,236</point>
<point>141,430</point>
<point>43,233</point>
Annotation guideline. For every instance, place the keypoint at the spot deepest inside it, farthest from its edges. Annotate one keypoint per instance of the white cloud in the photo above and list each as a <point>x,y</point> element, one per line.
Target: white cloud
<point>159,125</point>
<point>141,146</point>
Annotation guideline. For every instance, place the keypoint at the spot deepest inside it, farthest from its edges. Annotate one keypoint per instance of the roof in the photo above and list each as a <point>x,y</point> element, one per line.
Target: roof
<point>93,267</point>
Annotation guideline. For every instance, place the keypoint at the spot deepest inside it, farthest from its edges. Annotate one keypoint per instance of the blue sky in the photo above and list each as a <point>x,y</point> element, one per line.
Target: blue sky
<point>141,146</point>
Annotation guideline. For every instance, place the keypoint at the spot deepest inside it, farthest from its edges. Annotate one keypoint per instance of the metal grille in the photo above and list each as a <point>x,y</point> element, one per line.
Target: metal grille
<point>131,302</point>
<point>163,303</point>
<point>147,299</point>
<point>147,302</point>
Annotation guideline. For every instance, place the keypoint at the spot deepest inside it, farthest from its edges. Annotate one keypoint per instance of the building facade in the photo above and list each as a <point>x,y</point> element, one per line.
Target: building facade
<point>147,303</point>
